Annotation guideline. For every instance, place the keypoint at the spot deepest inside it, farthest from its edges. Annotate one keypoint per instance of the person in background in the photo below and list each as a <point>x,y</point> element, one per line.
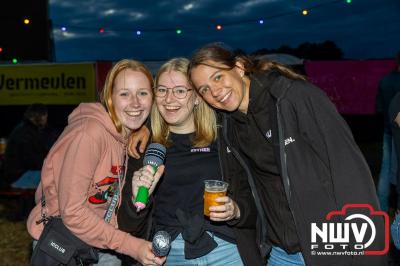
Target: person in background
<point>186,125</point>
<point>394,119</point>
<point>388,87</point>
<point>291,141</point>
<point>27,144</point>
<point>86,166</point>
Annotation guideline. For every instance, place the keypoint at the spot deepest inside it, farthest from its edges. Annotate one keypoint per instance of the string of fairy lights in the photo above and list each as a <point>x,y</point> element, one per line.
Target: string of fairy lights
<point>180,30</point>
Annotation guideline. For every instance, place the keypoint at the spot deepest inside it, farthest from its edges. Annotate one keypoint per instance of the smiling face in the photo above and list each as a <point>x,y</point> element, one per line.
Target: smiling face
<point>132,98</point>
<point>221,87</point>
<point>177,113</point>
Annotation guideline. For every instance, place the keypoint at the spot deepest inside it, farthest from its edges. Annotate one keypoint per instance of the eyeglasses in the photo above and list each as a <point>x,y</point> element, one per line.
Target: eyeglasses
<point>179,92</point>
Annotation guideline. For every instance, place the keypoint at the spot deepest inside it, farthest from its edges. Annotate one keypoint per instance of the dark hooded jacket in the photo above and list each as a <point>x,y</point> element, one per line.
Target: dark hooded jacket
<point>321,167</point>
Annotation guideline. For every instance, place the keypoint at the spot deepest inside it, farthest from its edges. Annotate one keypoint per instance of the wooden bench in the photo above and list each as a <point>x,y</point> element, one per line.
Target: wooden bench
<point>17,192</point>
<point>18,202</point>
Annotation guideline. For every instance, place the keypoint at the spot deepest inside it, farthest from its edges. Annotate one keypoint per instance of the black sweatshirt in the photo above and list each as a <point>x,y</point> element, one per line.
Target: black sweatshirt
<point>253,134</point>
<point>140,224</point>
<point>179,195</point>
<point>176,205</point>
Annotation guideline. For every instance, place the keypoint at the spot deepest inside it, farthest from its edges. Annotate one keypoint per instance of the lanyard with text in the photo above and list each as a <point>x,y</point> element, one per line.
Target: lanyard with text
<point>115,198</point>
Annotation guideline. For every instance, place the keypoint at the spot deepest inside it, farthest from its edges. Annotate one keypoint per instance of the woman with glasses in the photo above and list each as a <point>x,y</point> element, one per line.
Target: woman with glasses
<point>186,125</point>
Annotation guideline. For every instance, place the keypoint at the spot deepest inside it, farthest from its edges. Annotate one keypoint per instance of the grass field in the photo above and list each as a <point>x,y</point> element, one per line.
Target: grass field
<point>15,242</point>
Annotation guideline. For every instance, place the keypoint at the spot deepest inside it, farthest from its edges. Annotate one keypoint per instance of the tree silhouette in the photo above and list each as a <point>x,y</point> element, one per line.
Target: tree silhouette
<point>327,50</point>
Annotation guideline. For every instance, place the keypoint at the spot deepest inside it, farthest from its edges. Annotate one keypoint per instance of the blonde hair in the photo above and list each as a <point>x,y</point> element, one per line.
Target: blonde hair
<point>204,116</point>
<point>106,95</point>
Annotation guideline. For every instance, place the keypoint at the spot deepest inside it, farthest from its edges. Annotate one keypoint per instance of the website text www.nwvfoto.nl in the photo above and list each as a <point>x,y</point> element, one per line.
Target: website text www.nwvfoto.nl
<point>337,253</point>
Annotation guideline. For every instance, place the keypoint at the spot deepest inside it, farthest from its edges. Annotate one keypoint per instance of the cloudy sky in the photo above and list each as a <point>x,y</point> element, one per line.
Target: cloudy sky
<point>363,29</point>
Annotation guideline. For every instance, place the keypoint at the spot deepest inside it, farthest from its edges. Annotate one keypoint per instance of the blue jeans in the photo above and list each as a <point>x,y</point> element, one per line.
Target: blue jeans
<point>225,254</point>
<point>395,230</point>
<point>108,259</point>
<point>388,171</point>
<point>279,257</point>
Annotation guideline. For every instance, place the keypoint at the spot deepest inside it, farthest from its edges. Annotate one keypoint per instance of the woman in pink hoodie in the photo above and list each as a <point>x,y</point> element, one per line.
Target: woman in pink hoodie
<point>86,166</point>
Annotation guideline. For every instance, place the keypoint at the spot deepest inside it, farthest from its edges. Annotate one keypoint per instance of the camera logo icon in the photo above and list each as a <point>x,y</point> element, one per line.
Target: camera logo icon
<point>356,229</point>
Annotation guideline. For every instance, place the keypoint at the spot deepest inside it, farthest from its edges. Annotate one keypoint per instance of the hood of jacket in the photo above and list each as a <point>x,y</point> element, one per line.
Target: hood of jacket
<point>95,111</point>
<point>278,84</point>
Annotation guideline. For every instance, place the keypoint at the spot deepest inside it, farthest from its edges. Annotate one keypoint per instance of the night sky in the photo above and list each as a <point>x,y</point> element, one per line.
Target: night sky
<point>363,29</point>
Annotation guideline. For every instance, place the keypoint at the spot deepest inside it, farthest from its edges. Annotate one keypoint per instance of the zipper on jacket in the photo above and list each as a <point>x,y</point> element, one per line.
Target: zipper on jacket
<point>264,246</point>
<point>219,145</point>
<point>282,155</point>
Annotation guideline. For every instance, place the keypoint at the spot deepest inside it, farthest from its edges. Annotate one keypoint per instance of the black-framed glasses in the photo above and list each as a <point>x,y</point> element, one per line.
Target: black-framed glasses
<point>179,92</point>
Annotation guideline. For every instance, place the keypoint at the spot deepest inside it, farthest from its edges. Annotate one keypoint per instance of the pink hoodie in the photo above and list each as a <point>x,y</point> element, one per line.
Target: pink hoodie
<point>78,170</point>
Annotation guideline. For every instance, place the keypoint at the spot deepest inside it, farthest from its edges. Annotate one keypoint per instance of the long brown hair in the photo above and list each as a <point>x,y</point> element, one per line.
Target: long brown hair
<point>219,53</point>
<point>204,116</point>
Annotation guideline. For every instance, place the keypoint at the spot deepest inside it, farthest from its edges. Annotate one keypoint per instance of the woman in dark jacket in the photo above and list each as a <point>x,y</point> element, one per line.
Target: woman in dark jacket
<point>186,125</point>
<point>300,159</point>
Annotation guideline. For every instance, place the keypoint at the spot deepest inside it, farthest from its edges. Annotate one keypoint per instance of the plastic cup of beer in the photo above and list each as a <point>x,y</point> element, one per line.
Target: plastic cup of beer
<point>213,189</point>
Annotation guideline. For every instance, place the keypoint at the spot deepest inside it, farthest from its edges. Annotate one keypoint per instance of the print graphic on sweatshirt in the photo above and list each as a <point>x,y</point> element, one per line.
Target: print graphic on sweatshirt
<point>104,192</point>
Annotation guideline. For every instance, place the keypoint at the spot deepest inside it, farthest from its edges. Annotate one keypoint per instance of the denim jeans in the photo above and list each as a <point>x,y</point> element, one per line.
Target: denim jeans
<point>225,254</point>
<point>108,259</point>
<point>388,171</point>
<point>105,258</point>
<point>279,257</point>
<point>395,230</point>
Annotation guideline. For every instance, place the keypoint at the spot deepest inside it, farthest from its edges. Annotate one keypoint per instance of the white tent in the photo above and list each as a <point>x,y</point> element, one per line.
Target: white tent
<point>285,59</point>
